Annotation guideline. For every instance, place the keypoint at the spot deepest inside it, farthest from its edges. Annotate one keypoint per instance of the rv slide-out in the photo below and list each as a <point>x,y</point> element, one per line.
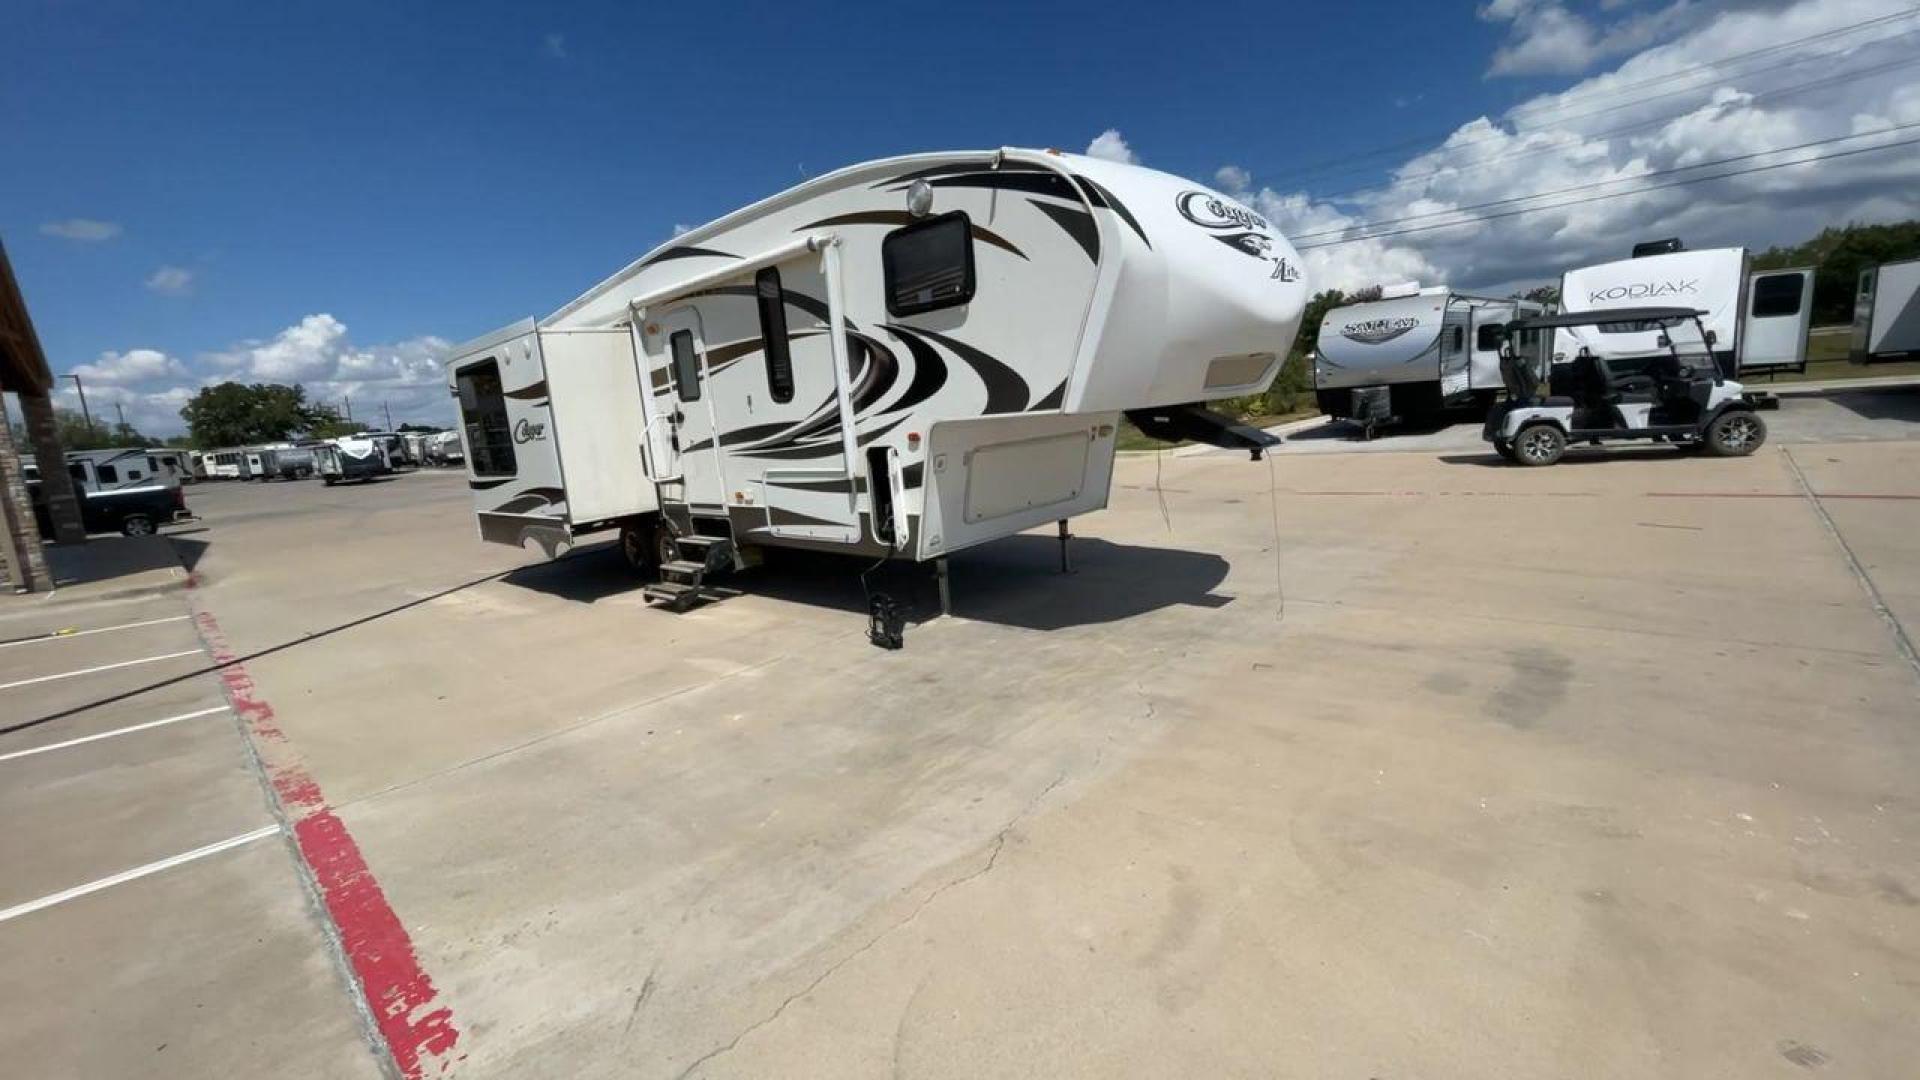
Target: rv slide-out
<point>1886,313</point>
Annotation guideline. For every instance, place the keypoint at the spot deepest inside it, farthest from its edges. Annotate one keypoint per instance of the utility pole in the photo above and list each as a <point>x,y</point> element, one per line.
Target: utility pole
<point>384,407</point>
<point>120,411</point>
<point>348,399</point>
<point>84,414</point>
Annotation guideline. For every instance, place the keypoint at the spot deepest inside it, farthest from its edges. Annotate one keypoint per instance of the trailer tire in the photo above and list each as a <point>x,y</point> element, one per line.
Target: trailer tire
<point>640,546</point>
<point>1538,444</point>
<point>1735,433</point>
<point>136,525</point>
<point>330,480</point>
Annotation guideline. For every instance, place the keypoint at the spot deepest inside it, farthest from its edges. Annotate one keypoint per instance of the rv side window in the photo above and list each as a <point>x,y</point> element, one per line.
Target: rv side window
<point>1487,338</point>
<point>1777,295</point>
<point>686,366</point>
<point>1459,338</point>
<point>483,409</point>
<point>107,474</point>
<point>78,472</point>
<point>773,334</point>
<point>929,264</point>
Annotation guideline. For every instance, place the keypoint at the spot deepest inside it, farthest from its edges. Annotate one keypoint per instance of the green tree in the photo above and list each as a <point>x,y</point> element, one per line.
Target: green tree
<point>232,414</point>
<point>1838,256</point>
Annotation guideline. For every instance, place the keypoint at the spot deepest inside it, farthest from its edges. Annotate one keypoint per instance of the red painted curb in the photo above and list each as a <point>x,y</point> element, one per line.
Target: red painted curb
<point>379,950</point>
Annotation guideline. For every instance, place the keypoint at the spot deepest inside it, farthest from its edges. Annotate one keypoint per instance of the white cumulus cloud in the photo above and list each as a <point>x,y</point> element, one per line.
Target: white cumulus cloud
<point>171,281</point>
<point>81,230</point>
<point>1594,139</point>
<point>1112,147</point>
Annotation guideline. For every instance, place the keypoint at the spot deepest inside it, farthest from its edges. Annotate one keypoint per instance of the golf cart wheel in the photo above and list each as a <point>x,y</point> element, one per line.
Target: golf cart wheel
<point>1735,433</point>
<point>1539,444</point>
<point>1504,447</point>
<point>136,525</point>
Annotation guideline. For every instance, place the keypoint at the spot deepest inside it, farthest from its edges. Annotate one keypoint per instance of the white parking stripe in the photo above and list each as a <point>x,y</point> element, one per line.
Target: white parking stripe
<point>60,636</point>
<point>102,667</point>
<point>137,872</point>
<point>110,734</point>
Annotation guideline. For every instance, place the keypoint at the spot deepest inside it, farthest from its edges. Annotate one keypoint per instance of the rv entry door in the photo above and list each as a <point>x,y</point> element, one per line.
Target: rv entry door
<point>1779,306</point>
<point>687,408</point>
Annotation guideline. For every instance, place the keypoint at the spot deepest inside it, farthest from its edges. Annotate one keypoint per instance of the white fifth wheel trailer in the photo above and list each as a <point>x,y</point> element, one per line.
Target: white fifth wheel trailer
<point>1413,352</point>
<point>1756,320</point>
<point>1886,313</point>
<point>904,358</point>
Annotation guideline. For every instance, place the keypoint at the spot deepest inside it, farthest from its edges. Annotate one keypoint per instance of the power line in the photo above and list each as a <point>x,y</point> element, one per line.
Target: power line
<point>1764,95</point>
<point>1609,195</point>
<point>1604,183</point>
<point>1618,91</point>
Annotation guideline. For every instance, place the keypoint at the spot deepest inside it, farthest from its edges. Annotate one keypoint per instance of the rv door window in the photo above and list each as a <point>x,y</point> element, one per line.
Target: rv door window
<point>107,473</point>
<point>1776,295</point>
<point>686,366</point>
<point>1487,338</point>
<point>929,264</point>
<point>483,409</point>
<point>1459,338</point>
<point>773,334</point>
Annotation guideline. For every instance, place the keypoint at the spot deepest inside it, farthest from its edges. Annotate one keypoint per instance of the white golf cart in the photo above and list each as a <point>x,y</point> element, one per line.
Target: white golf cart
<point>1679,396</point>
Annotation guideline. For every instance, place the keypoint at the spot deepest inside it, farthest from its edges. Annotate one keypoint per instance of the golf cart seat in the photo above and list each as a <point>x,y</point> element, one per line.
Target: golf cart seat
<point>1523,382</point>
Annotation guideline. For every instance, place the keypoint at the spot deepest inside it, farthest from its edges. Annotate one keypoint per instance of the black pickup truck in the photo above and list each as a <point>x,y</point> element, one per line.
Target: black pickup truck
<point>133,511</point>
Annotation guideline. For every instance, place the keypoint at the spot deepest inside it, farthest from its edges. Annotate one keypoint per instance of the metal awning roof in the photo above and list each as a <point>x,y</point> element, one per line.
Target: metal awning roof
<point>1606,315</point>
<point>23,366</point>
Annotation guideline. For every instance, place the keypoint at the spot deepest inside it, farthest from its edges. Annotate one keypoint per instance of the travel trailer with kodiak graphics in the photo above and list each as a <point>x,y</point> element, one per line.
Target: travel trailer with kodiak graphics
<point>1756,321</point>
<point>1414,352</point>
<point>900,359</point>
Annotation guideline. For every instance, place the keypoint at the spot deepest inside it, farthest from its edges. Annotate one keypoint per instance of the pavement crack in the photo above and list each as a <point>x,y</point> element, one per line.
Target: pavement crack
<point>639,1002</point>
<point>994,848</point>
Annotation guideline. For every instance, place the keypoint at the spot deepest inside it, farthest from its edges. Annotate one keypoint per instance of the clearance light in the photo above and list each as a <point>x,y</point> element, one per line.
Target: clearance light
<point>913,440</point>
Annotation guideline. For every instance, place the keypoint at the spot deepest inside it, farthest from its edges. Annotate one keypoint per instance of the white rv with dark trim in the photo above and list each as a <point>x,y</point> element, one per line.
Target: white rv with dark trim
<point>904,358</point>
<point>1886,313</point>
<point>351,457</point>
<point>1757,320</point>
<point>1428,349</point>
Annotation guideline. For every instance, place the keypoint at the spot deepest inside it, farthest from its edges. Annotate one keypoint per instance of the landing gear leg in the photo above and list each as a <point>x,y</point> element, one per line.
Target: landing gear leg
<point>946,593</point>
<point>1066,556</point>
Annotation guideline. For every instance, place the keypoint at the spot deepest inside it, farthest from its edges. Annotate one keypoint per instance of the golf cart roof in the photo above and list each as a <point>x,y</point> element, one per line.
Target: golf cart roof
<point>1606,315</point>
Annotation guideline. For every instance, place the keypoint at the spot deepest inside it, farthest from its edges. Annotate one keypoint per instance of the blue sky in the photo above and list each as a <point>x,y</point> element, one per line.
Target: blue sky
<point>198,183</point>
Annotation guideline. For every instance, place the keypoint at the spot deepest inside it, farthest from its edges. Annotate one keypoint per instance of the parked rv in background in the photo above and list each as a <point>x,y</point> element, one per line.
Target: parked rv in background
<point>1756,321</point>
<point>351,457</point>
<point>445,448</point>
<point>395,445</point>
<point>1886,313</point>
<point>280,461</point>
<point>1412,353</point>
<point>226,464</point>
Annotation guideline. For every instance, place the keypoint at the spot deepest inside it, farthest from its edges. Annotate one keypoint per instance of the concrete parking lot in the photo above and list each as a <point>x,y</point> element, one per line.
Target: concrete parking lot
<point>1386,764</point>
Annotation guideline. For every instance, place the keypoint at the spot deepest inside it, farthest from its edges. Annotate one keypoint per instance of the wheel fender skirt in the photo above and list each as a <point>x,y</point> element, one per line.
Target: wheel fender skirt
<point>1174,423</point>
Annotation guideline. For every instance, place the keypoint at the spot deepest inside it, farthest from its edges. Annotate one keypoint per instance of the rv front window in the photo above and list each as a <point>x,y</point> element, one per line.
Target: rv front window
<point>686,366</point>
<point>773,334</point>
<point>1777,294</point>
<point>483,409</point>
<point>928,265</point>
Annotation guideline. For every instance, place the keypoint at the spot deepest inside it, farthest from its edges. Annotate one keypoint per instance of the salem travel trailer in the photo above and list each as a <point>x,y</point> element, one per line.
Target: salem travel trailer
<point>1757,321</point>
<point>1422,350</point>
<point>903,358</point>
<point>1886,313</point>
<point>351,457</point>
